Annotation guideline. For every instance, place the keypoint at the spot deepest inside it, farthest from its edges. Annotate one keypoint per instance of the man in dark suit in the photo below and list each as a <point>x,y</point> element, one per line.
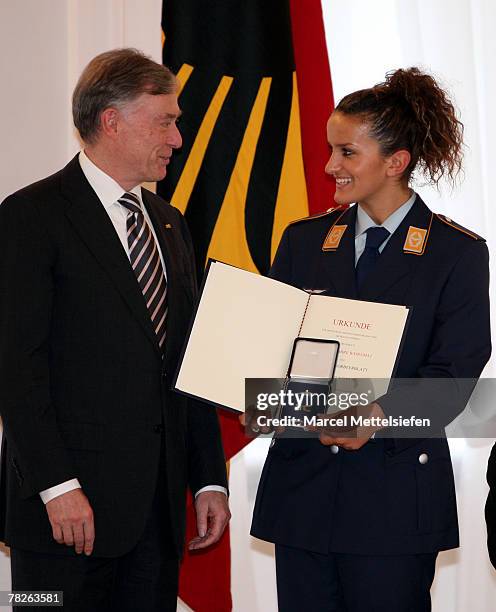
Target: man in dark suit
<point>490,509</point>
<point>360,520</point>
<point>98,286</point>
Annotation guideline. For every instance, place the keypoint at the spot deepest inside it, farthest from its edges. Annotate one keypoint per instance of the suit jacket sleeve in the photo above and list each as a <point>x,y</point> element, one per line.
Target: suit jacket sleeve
<point>26,288</point>
<point>206,461</point>
<point>490,510</point>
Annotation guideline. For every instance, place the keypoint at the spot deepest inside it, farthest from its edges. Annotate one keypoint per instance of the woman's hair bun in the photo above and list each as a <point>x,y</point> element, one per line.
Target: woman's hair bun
<point>411,111</point>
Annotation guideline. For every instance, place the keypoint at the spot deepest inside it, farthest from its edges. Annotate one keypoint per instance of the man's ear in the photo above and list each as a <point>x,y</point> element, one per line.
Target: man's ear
<point>398,163</point>
<point>109,119</point>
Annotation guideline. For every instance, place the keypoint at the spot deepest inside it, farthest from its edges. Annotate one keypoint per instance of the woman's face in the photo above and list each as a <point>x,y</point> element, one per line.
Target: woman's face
<point>356,161</point>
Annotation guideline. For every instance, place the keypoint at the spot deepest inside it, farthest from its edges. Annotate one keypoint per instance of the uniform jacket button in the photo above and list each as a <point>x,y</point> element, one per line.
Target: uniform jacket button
<point>334,449</point>
<point>423,458</point>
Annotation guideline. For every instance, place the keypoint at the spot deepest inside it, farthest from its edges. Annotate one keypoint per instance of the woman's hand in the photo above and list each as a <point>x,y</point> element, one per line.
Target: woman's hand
<point>350,437</point>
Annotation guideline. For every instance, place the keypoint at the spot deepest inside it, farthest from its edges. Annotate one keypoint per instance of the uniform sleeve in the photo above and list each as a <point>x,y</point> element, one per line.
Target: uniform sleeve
<point>459,349</point>
<point>26,298</point>
<point>281,266</point>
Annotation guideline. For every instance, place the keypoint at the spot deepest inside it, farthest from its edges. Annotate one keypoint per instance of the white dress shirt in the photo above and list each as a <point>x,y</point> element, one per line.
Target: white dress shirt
<point>364,222</point>
<point>108,192</point>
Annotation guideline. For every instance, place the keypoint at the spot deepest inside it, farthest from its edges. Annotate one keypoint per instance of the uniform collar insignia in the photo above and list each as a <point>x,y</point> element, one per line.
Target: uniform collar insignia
<point>416,239</point>
<point>334,235</point>
<point>333,238</point>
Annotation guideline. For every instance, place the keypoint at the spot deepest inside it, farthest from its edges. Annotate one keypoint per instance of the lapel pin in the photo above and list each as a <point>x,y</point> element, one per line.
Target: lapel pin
<point>415,240</point>
<point>333,238</point>
<point>168,226</point>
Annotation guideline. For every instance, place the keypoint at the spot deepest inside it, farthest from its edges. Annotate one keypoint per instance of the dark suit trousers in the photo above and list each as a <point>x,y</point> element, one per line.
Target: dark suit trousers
<point>145,579</point>
<point>353,583</point>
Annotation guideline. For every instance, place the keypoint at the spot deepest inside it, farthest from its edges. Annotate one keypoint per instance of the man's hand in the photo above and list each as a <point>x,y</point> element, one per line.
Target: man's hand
<point>354,438</point>
<point>72,522</point>
<point>212,516</point>
<point>249,420</point>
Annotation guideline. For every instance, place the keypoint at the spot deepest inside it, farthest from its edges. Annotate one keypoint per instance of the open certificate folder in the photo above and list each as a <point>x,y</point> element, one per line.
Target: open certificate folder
<point>245,326</point>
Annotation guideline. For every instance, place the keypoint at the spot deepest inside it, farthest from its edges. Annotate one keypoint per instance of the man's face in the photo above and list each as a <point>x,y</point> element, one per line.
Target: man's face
<point>146,136</point>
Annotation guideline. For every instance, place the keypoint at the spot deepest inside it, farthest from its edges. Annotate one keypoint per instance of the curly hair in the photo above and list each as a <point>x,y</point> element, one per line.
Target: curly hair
<point>409,110</point>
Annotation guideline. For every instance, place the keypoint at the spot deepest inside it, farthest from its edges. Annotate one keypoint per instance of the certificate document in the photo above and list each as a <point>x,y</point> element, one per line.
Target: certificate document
<point>245,326</point>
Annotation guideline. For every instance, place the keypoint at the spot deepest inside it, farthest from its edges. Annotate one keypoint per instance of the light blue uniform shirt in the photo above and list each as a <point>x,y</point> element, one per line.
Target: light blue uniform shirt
<point>363,222</point>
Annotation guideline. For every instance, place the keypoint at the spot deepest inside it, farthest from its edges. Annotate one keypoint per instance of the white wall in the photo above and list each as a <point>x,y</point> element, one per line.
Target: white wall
<point>44,45</point>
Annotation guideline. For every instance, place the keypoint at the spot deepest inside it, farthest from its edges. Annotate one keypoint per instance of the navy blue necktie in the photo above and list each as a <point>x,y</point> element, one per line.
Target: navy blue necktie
<point>370,255</point>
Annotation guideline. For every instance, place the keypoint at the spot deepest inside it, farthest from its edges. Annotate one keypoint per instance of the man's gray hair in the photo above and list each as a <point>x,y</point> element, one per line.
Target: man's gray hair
<point>112,79</point>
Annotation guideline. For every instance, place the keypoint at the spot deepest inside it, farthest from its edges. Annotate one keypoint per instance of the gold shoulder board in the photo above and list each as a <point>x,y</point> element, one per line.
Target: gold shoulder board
<point>328,212</point>
<point>447,221</point>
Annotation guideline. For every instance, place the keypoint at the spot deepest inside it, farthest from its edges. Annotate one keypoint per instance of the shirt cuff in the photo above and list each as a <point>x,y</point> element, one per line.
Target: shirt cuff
<point>64,487</point>
<point>211,488</point>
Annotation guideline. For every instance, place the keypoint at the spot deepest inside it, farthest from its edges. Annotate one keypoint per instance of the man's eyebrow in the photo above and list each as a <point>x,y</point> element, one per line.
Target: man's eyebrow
<point>171,115</point>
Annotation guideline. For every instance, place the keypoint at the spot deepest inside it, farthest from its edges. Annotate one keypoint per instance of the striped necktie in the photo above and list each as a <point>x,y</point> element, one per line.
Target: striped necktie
<point>146,263</point>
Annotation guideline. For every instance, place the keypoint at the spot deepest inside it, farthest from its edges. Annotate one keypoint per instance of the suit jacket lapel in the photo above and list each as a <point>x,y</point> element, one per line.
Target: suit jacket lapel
<point>339,266</point>
<point>92,223</point>
<point>394,263</point>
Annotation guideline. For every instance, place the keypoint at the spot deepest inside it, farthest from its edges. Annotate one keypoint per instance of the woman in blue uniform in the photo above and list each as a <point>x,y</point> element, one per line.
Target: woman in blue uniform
<point>358,522</point>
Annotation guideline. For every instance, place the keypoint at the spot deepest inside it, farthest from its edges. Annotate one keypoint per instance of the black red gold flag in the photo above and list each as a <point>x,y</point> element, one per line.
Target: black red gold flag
<point>255,91</point>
